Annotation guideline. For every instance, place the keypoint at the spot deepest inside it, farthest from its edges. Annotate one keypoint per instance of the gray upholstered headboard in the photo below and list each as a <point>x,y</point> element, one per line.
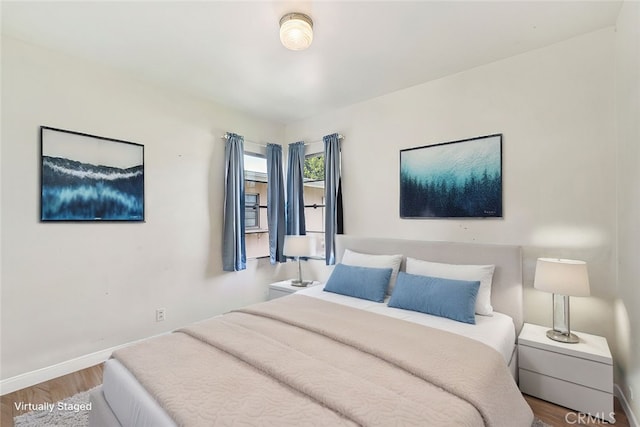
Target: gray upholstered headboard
<point>506,289</point>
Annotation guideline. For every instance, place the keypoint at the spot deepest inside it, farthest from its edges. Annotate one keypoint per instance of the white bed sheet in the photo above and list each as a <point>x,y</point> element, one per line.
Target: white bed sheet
<point>133,405</point>
<point>497,331</point>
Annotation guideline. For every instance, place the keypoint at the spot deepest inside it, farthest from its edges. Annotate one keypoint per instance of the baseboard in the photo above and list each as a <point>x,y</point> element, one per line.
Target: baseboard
<point>32,378</point>
<point>617,392</point>
<point>29,379</point>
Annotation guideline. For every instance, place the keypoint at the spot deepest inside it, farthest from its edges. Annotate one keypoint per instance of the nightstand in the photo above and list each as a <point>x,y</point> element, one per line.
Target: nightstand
<point>284,288</point>
<point>577,376</point>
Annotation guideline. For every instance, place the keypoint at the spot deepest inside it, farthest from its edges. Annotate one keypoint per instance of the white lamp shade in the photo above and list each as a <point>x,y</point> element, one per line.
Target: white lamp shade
<point>296,31</point>
<point>562,277</point>
<point>299,246</point>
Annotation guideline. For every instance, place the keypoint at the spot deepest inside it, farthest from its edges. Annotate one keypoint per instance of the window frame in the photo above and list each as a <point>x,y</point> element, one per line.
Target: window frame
<point>251,232</point>
<point>315,206</point>
<point>256,207</point>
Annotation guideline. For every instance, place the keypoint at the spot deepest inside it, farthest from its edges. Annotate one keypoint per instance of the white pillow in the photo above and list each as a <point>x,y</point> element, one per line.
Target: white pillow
<point>374,261</point>
<point>482,273</point>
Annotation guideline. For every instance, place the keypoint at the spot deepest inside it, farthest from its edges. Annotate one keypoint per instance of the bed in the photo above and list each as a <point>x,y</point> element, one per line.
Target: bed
<point>326,358</point>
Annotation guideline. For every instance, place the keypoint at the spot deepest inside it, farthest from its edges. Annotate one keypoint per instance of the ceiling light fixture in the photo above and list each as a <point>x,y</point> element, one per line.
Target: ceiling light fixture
<point>296,31</point>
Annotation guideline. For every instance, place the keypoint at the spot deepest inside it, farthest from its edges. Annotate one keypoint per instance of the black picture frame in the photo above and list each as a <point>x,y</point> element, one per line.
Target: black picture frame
<point>92,178</point>
<point>457,179</point>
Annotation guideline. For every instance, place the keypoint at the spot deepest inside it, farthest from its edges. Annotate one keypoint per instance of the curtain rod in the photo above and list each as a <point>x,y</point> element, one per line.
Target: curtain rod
<point>263,144</point>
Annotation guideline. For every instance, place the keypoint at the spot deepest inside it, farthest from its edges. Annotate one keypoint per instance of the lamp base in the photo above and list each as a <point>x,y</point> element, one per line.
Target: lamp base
<point>301,283</point>
<point>567,338</point>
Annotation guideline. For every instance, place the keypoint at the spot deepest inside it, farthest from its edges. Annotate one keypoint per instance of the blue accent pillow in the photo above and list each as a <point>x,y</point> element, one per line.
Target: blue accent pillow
<point>360,282</point>
<point>454,299</point>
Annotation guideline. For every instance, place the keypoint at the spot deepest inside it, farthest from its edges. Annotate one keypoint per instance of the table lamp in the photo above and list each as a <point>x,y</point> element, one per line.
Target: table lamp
<point>563,278</point>
<point>297,247</point>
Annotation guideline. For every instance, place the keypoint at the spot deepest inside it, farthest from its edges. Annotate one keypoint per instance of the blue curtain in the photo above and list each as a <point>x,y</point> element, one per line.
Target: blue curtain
<point>295,197</point>
<point>275,203</point>
<point>333,196</point>
<point>234,256</point>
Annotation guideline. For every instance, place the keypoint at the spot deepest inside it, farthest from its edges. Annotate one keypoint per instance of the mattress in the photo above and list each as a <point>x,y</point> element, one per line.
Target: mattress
<point>134,406</point>
<point>129,400</point>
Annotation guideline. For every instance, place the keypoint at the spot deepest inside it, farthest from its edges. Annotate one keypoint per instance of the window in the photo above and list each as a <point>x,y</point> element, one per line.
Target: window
<point>251,210</point>
<point>255,216</point>
<point>255,188</point>
<point>314,168</point>
<point>314,202</point>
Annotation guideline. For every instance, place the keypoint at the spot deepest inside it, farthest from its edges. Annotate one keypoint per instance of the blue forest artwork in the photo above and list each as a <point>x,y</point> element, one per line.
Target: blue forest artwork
<point>89,178</point>
<point>460,179</point>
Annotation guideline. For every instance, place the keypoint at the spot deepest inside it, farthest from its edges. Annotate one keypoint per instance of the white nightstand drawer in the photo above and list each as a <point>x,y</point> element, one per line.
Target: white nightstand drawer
<point>568,368</point>
<point>285,287</point>
<point>580,398</point>
<point>277,293</point>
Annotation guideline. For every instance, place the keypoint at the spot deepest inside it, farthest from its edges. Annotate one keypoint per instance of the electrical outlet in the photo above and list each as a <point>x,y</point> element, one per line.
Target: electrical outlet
<point>160,315</point>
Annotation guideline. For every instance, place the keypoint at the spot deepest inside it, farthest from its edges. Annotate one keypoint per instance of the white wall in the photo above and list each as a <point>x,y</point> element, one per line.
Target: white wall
<point>628,138</point>
<point>71,289</point>
<point>555,109</point>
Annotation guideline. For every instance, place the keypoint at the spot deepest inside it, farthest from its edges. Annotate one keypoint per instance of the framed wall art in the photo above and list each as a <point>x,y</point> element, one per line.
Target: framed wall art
<point>458,179</point>
<point>90,178</point>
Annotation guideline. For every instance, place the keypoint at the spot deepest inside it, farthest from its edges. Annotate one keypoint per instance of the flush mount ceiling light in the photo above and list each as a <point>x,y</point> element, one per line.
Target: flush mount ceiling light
<point>296,31</point>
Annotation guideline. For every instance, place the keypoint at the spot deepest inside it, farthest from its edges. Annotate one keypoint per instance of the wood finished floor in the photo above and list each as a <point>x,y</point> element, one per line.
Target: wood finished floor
<point>68,385</point>
<point>555,415</point>
<point>50,391</point>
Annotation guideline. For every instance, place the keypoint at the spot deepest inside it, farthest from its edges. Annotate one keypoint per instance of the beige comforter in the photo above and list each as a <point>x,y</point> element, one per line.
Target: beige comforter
<point>298,361</point>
